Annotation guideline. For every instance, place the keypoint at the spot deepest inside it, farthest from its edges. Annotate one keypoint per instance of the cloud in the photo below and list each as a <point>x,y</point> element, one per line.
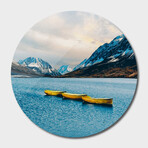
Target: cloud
<point>66,38</point>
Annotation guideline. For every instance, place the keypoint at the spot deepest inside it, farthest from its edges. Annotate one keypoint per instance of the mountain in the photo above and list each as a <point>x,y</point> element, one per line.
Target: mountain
<point>18,70</point>
<point>64,69</point>
<point>125,67</point>
<point>39,66</point>
<point>109,51</point>
<point>81,65</point>
<point>114,59</point>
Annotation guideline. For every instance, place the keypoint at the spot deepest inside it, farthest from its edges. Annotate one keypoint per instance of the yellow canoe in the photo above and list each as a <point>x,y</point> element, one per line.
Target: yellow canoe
<point>73,96</point>
<point>107,101</point>
<point>53,93</point>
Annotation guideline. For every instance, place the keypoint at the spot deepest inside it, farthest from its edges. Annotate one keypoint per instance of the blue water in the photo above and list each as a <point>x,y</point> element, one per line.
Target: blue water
<point>71,118</point>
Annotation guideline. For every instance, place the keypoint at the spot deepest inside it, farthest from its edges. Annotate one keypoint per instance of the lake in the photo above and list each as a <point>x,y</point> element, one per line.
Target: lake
<point>70,118</point>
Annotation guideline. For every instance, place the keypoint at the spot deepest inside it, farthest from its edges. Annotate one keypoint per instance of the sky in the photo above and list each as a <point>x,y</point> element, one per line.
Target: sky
<point>66,38</point>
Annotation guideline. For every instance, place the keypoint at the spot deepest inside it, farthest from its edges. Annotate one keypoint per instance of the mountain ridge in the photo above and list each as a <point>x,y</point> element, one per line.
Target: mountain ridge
<point>109,51</point>
<point>40,66</point>
<point>18,70</point>
<point>114,59</point>
<point>124,68</point>
<point>64,69</point>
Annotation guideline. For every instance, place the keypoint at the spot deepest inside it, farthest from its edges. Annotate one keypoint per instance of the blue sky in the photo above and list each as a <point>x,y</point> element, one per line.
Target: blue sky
<point>66,38</point>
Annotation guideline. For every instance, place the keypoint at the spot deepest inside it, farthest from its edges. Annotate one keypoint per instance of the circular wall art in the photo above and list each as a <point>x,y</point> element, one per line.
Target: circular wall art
<point>74,74</point>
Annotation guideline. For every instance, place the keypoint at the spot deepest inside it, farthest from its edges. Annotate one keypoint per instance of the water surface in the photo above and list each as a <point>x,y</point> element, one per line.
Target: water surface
<point>71,118</point>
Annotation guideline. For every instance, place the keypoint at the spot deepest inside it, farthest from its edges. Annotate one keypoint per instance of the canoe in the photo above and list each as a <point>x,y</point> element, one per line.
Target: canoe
<point>53,92</point>
<point>107,101</point>
<point>73,96</point>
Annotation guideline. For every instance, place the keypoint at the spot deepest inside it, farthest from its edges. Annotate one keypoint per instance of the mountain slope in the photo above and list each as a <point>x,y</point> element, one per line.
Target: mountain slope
<point>124,68</point>
<point>81,65</point>
<point>39,66</point>
<point>64,69</point>
<point>20,70</point>
<point>114,59</point>
<point>109,51</point>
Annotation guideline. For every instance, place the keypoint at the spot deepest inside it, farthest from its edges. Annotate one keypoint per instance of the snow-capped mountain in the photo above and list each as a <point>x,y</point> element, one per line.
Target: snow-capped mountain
<point>39,66</point>
<point>109,52</point>
<point>18,70</point>
<point>112,60</point>
<point>64,69</point>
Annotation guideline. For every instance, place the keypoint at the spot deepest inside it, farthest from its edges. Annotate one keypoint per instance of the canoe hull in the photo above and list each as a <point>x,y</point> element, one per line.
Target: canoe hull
<point>84,97</point>
<point>53,93</point>
<point>73,96</point>
<point>105,101</point>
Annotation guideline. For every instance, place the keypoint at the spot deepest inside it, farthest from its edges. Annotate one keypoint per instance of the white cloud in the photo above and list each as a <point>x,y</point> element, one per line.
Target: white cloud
<point>66,38</point>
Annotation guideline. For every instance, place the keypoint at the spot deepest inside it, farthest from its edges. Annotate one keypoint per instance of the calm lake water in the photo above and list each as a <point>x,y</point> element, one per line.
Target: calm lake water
<point>71,118</point>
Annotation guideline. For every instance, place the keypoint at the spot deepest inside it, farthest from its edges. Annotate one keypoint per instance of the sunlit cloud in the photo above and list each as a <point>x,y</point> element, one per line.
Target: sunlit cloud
<point>66,38</point>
